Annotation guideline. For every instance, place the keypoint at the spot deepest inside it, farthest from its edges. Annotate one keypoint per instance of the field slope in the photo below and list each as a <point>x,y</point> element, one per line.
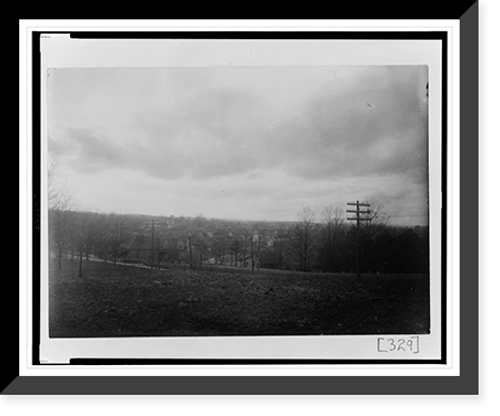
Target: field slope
<point>112,301</point>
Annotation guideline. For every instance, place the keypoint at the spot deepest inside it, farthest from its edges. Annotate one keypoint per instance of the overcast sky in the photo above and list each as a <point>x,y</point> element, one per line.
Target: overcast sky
<point>254,143</point>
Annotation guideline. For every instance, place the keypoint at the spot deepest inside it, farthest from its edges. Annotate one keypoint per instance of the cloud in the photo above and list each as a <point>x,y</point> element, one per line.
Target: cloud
<point>87,150</point>
<point>364,131</point>
<point>271,138</point>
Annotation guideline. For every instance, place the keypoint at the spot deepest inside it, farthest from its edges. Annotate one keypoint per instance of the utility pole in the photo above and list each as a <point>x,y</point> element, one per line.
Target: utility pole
<point>153,244</point>
<point>358,220</point>
<point>115,244</point>
<point>253,258</point>
<point>258,254</point>
<point>158,253</point>
<point>201,253</point>
<point>157,228</point>
<point>190,252</point>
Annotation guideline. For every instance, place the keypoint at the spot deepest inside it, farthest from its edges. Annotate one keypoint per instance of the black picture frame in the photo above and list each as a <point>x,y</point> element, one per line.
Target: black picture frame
<point>466,383</point>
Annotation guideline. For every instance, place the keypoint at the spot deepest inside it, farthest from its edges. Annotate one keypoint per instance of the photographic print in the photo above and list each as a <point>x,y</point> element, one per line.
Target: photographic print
<point>235,201</point>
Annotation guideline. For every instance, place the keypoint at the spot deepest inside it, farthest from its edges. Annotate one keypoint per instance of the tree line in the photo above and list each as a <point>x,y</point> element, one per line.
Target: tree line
<point>324,243</point>
<point>328,244</point>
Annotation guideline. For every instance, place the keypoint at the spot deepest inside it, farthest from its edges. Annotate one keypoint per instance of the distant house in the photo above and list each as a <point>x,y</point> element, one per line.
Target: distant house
<point>270,240</point>
<point>256,237</point>
<point>182,245</point>
<point>136,247</point>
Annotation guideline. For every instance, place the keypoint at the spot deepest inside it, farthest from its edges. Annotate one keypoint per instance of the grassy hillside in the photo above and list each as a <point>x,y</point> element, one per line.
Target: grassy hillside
<point>112,301</point>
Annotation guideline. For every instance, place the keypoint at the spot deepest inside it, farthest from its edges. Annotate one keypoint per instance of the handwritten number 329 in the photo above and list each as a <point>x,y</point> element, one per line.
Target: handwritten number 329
<point>400,344</point>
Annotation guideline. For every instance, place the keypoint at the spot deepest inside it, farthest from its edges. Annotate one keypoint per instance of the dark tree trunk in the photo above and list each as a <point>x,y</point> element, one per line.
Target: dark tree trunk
<point>190,254</point>
<point>80,265</point>
<point>59,257</point>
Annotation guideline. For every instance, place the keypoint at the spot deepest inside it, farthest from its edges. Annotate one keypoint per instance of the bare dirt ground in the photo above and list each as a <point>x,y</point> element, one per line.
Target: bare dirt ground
<point>111,301</point>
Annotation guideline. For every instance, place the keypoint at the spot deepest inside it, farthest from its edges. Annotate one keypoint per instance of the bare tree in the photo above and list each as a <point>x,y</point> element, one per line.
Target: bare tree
<point>303,238</point>
<point>379,219</point>
<point>58,233</point>
<point>59,199</point>
<point>111,236</point>
<point>332,223</point>
<point>59,196</point>
<point>280,248</point>
<point>199,223</point>
<point>235,250</point>
<point>220,246</point>
<point>201,246</point>
<point>117,235</point>
<point>190,251</point>
<point>87,228</point>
